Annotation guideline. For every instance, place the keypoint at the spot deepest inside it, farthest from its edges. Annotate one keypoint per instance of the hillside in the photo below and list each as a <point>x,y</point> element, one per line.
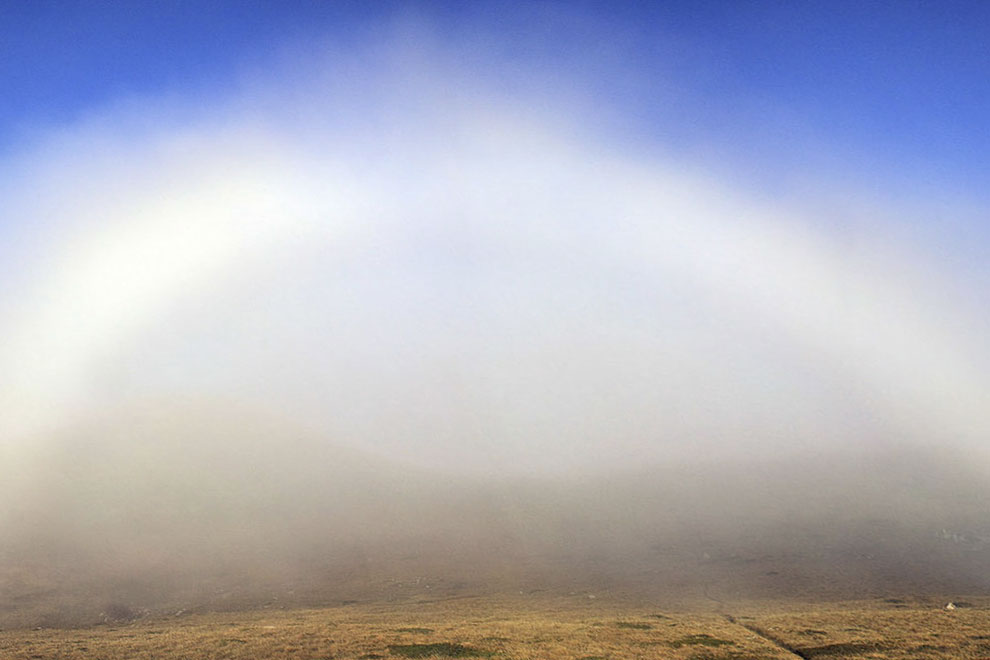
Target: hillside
<point>211,509</point>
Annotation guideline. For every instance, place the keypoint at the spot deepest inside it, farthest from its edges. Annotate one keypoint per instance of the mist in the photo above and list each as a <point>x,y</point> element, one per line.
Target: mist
<point>400,319</point>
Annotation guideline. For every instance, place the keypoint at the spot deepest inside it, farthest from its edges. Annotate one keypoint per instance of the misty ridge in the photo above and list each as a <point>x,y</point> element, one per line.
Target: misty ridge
<point>382,330</point>
<point>193,506</point>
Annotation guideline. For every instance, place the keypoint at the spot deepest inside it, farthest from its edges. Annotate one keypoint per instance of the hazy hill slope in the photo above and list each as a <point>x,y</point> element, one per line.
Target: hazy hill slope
<point>208,507</point>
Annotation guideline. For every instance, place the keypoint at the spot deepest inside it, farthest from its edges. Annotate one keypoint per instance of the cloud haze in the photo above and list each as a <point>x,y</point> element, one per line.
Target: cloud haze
<point>397,310</point>
<point>416,261</point>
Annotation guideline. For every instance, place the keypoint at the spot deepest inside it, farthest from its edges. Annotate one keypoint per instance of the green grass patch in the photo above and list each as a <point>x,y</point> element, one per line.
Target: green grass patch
<point>442,649</point>
<point>418,631</point>
<point>633,625</point>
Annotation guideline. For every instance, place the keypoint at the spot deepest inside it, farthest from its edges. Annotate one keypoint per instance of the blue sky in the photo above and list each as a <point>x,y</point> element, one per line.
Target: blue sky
<point>901,86</point>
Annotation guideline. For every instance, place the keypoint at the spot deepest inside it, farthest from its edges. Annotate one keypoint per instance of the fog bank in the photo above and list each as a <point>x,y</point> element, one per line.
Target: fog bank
<point>392,318</point>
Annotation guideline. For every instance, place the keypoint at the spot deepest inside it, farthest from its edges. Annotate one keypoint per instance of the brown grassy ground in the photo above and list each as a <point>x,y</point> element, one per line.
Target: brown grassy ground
<point>883,630</point>
<point>510,628</point>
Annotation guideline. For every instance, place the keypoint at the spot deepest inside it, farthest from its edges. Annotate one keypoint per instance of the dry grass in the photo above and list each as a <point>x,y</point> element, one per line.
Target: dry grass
<point>915,631</point>
<point>517,629</point>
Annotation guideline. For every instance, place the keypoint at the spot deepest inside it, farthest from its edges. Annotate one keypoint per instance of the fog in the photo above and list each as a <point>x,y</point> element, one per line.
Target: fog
<point>394,321</point>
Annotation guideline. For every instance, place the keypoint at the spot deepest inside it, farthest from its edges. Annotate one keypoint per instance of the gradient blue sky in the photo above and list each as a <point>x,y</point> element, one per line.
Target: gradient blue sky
<point>902,86</point>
